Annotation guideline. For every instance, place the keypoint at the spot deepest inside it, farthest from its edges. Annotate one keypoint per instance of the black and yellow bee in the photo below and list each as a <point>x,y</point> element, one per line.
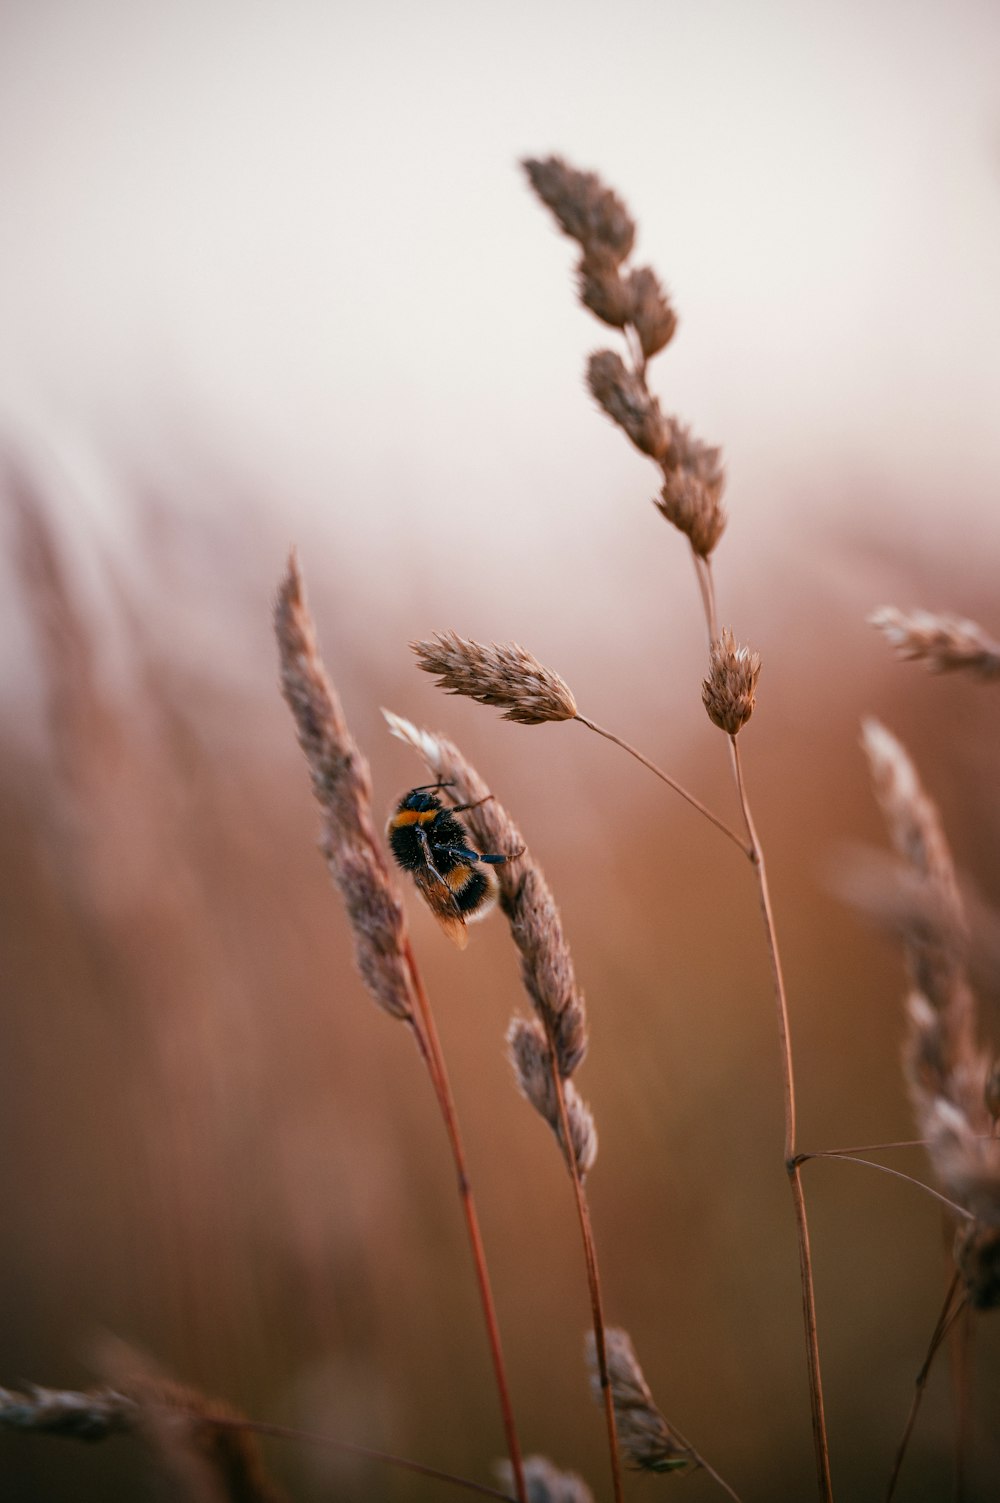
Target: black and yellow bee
<point>431,843</point>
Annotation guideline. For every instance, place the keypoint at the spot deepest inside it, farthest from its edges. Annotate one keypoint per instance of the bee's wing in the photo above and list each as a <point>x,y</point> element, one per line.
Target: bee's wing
<point>441,903</point>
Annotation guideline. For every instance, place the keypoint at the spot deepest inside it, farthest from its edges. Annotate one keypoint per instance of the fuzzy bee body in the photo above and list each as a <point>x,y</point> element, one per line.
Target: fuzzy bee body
<point>429,841</point>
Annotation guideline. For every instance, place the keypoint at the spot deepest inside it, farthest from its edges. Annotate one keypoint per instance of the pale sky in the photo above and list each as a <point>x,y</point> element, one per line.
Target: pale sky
<point>297,231</point>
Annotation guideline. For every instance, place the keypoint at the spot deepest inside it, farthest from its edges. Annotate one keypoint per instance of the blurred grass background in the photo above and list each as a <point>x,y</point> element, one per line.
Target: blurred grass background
<point>274,278</point>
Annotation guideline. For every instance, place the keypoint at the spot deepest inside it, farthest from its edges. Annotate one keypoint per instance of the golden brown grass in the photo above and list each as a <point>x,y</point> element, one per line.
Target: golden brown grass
<point>952,1080</point>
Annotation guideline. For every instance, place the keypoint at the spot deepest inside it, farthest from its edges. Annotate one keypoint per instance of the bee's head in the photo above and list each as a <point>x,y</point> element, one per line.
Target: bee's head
<point>420,800</point>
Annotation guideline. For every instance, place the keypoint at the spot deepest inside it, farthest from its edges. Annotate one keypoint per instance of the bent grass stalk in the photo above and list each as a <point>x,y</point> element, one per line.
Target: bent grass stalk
<point>342,786</point>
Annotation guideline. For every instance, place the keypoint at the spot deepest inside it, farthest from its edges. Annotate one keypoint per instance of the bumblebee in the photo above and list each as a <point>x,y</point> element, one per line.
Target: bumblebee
<point>431,843</point>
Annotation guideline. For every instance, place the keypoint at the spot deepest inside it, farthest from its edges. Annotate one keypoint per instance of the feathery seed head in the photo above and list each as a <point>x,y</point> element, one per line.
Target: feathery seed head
<point>945,643</point>
<point>342,786</point>
<point>729,691</point>
<point>628,401</point>
<point>585,209</point>
<point>502,674</point>
<point>647,1442</point>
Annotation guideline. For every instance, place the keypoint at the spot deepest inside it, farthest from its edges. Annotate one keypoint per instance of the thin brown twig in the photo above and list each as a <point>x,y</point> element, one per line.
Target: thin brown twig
<point>388,1458</point>
<point>866,1148</point>
<point>943,1325</point>
<point>705,1466</point>
<point>666,778</point>
<point>593,1275</point>
<point>853,1158</point>
<point>792,1165</point>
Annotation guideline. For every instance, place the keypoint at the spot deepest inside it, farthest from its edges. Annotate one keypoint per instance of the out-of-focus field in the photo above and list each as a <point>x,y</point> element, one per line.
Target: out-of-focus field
<point>217,1148</point>
<point>272,275</point>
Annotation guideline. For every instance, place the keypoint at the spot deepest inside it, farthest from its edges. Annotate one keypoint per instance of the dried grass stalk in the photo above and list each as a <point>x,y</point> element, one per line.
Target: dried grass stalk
<point>342,785</point>
<point>947,1074</point>
<point>635,302</point>
<point>546,1483</point>
<point>502,674</point>
<point>729,691</point>
<point>934,950</point>
<point>647,1441</point>
<point>525,897</point>
<point>945,643</point>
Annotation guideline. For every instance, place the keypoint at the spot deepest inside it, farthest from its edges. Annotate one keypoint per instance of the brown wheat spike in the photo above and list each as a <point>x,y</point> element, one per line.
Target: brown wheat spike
<point>525,897</point>
<point>531,1059</point>
<point>945,643</point>
<point>635,302</point>
<point>342,785</point>
<point>729,691</point>
<point>647,1441</point>
<point>546,1483</point>
<point>502,674</point>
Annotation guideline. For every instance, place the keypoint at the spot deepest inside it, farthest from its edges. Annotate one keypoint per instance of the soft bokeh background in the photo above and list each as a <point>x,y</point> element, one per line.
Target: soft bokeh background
<point>270,273</point>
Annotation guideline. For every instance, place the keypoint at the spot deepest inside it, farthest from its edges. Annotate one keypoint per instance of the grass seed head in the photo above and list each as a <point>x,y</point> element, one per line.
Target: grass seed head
<point>584,208</point>
<point>531,1059</point>
<point>628,401</point>
<point>653,318</point>
<point>502,674</point>
<point>945,643</point>
<point>546,1483</point>
<point>694,508</point>
<point>648,1444</point>
<point>342,785</point>
<point>729,691</point>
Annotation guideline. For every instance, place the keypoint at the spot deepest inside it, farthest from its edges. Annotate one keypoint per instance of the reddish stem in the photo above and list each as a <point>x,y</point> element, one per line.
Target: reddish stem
<point>426,1035</point>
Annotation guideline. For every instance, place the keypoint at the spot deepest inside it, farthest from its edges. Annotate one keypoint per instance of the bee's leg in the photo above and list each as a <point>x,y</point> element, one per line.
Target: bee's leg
<point>460,853</point>
<point>460,808</point>
<point>429,859</point>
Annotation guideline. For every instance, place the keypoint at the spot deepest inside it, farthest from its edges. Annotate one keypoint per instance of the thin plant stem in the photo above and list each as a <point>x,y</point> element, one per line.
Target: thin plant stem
<point>706,586</point>
<point>853,1158</point>
<point>961,1356</point>
<point>792,1163</point>
<point>945,1320</point>
<point>429,1044</point>
<point>593,1276</point>
<point>846,1153</point>
<point>666,778</point>
<point>387,1458</point>
<point>705,1467</point>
